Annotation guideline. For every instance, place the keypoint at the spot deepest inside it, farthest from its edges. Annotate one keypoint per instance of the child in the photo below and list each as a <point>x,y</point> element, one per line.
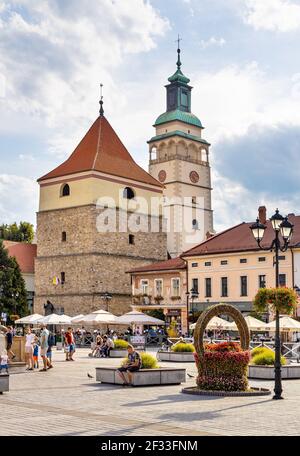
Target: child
<point>36,354</point>
<point>4,361</point>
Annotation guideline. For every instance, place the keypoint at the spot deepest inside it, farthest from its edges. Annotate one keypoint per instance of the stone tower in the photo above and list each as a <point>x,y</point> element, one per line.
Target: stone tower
<point>85,247</point>
<point>179,158</point>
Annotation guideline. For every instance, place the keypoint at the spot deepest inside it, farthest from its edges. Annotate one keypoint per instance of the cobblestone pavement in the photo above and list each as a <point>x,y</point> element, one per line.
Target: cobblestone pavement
<point>64,401</point>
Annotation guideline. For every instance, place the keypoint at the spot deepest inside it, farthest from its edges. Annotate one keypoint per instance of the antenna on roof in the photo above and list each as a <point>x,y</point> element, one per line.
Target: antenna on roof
<point>178,51</point>
<point>101,112</point>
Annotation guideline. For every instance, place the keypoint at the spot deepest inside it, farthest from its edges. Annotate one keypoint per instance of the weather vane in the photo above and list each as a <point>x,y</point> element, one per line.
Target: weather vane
<point>178,52</point>
<point>101,101</point>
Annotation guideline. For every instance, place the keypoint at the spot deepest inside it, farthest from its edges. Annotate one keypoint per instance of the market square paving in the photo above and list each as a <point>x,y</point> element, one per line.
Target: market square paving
<point>64,401</point>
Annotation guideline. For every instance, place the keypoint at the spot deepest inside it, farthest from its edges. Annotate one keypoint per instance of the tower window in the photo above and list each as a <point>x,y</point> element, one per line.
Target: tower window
<point>63,236</point>
<point>195,224</point>
<point>62,277</point>
<point>65,191</point>
<point>131,239</point>
<point>128,193</point>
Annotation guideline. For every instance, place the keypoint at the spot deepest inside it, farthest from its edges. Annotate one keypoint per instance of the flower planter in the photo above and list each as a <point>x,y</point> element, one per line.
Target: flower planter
<point>4,383</point>
<point>118,353</point>
<point>268,372</point>
<point>176,357</point>
<point>143,377</point>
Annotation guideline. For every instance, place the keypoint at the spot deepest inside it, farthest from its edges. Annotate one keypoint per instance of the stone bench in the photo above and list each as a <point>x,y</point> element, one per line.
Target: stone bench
<point>4,383</point>
<point>176,357</point>
<point>267,372</point>
<point>143,377</point>
<point>118,353</point>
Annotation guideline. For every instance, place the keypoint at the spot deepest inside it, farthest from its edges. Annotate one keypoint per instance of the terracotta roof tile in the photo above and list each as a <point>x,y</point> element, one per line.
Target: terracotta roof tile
<point>239,238</point>
<point>102,150</point>
<point>168,265</point>
<point>25,254</point>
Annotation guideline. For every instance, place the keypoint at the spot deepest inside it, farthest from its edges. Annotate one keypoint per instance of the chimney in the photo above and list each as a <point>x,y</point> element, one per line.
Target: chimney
<point>262,214</point>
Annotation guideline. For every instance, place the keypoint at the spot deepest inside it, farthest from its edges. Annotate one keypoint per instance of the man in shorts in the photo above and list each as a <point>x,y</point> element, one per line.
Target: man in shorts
<point>133,364</point>
<point>9,340</point>
<point>70,343</point>
<point>44,346</point>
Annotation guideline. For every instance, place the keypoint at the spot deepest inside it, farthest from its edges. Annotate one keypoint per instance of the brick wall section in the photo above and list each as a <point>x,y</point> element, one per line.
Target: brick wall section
<point>93,262</point>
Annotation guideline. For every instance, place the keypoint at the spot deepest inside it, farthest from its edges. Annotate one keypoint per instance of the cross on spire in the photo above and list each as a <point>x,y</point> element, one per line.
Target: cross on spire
<point>101,112</point>
<point>178,52</point>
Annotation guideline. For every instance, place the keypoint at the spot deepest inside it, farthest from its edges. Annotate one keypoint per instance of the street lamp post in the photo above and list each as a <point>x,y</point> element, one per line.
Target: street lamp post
<point>107,297</point>
<point>281,226</point>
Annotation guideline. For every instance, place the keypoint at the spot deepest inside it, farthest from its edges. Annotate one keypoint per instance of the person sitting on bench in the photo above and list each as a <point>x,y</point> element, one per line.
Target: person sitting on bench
<point>133,364</point>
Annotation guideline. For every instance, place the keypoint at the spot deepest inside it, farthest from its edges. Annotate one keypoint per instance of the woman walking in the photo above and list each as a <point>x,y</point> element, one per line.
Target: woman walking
<point>29,342</point>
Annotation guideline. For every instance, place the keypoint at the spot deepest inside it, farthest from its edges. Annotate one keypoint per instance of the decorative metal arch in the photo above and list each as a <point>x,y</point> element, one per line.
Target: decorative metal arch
<point>214,311</point>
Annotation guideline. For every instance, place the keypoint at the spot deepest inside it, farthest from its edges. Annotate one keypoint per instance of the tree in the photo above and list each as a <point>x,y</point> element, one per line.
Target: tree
<point>157,313</point>
<point>23,232</point>
<point>13,295</point>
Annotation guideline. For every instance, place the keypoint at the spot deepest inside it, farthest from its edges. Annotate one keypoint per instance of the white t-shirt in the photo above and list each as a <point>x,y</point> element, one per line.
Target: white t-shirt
<point>4,360</point>
<point>29,340</point>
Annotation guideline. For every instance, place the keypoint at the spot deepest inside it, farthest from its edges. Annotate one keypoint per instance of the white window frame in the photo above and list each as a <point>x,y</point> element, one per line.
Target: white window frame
<point>155,287</point>
<point>146,283</point>
<point>173,288</point>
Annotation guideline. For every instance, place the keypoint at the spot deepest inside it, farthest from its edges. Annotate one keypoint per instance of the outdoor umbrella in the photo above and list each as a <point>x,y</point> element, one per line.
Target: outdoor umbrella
<point>98,317</point>
<point>55,319</point>
<point>216,323</point>
<point>30,319</point>
<point>138,318</point>
<point>286,324</point>
<point>77,319</point>
<point>253,324</point>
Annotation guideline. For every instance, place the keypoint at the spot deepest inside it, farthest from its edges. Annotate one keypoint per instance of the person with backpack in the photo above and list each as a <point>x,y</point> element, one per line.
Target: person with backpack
<point>51,342</point>
<point>133,364</point>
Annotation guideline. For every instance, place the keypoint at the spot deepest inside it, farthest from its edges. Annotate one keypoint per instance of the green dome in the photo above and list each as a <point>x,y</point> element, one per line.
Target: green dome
<point>177,114</point>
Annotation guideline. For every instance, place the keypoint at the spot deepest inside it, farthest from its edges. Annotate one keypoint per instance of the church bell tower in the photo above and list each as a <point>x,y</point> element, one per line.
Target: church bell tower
<point>179,159</point>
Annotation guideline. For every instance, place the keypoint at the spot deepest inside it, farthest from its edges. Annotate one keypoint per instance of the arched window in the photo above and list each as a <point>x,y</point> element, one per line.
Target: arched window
<point>128,193</point>
<point>195,224</point>
<point>65,190</point>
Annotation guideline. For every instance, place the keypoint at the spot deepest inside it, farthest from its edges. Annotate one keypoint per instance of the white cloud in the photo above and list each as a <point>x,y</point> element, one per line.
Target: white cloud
<point>18,197</point>
<point>234,98</point>
<point>54,54</point>
<point>273,15</point>
<point>212,41</point>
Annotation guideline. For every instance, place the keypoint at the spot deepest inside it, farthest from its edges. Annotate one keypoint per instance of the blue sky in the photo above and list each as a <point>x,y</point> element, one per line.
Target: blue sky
<point>243,60</point>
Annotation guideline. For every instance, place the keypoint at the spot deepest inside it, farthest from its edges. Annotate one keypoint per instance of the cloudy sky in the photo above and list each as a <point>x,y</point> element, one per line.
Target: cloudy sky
<point>243,60</point>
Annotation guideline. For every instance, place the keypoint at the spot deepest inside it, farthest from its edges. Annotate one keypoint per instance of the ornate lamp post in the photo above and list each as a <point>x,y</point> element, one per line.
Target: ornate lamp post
<point>281,226</point>
<point>107,297</point>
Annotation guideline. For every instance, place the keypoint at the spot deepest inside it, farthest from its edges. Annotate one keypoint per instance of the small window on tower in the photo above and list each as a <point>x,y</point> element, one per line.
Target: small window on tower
<point>131,239</point>
<point>128,193</point>
<point>195,224</point>
<point>62,277</point>
<point>63,236</point>
<point>65,190</point>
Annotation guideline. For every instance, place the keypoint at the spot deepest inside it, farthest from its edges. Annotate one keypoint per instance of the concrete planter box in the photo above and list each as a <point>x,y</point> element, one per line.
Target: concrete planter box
<point>143,377</point>
<point>118,354</point>
<point>267,372</point>
<point>4,383</point>
<point>176,357</point>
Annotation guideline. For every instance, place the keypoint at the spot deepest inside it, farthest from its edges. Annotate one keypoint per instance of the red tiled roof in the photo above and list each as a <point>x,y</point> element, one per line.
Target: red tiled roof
<point>24,254</point>
<point>168,265</point>
<point>239,238</point>
<point>102,150</point>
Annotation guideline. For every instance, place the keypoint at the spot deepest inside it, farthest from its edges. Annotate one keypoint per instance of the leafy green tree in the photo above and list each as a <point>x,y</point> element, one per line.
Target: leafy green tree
<point>157,313</point>
<point>23,232</point>
<point>13,295</point>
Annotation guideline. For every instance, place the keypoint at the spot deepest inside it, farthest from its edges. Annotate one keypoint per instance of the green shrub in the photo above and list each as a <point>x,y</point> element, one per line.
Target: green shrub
<point>181,347</point>
<point>120,344</point>
<point>148,361</point>
<point>258,351</point>
<point>266,358</point>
